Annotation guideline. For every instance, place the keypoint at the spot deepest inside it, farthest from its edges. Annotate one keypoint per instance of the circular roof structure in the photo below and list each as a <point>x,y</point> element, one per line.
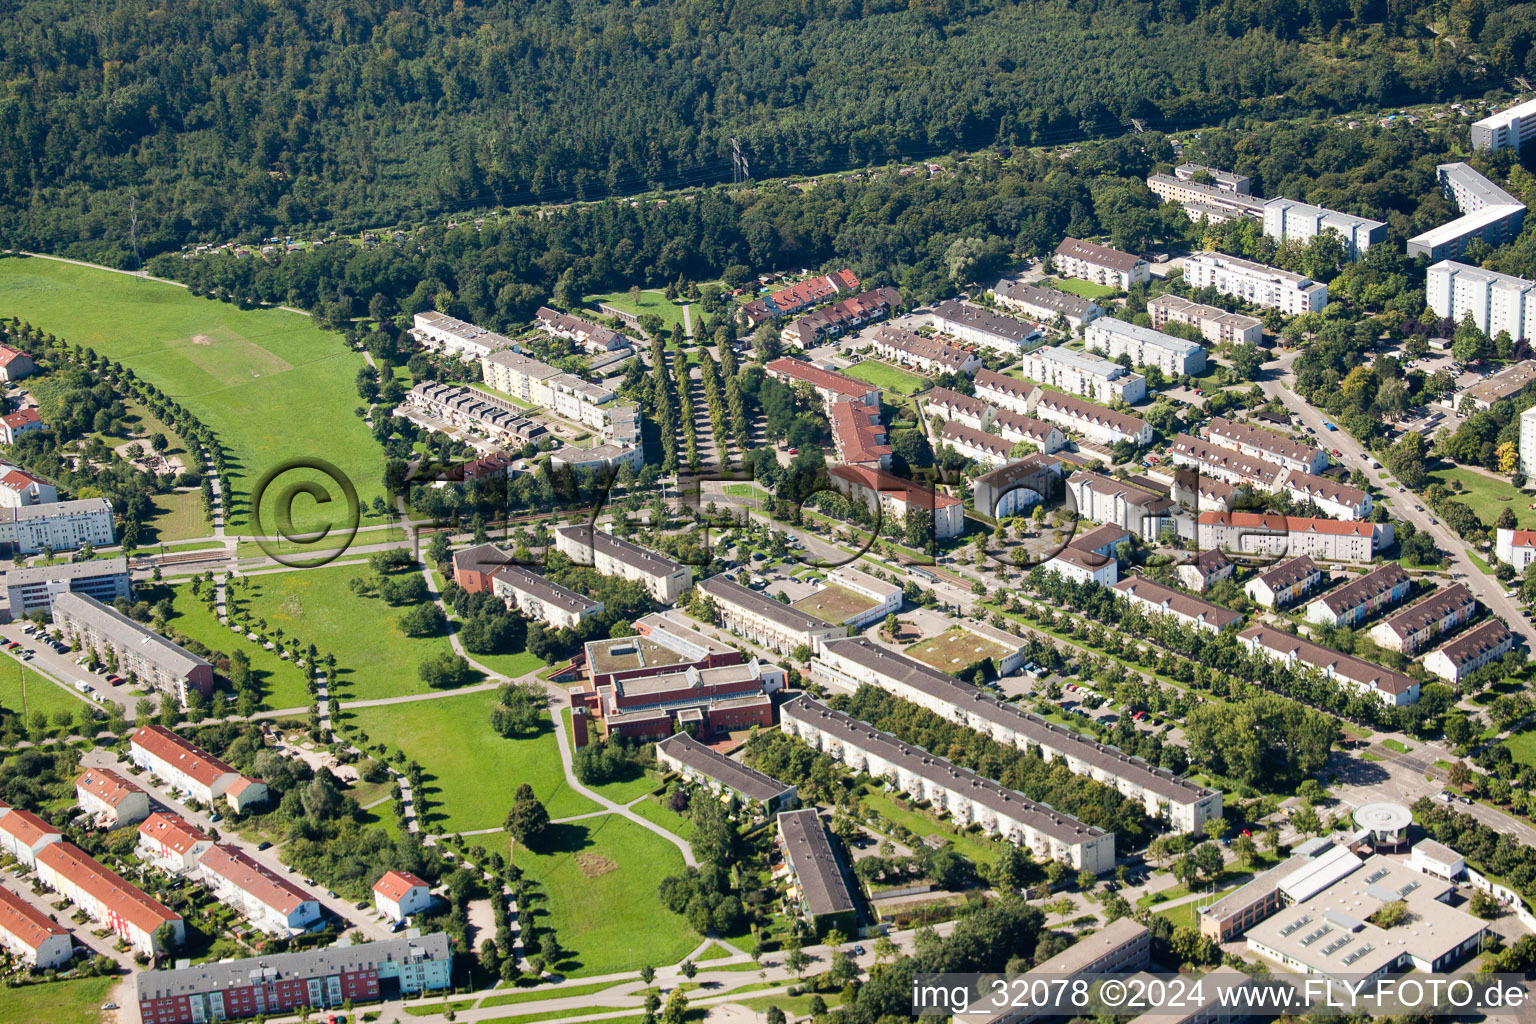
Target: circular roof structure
<point>1383,818</point>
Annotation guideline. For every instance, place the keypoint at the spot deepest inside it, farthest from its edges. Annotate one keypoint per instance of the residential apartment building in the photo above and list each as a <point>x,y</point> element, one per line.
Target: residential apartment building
<point>1216,325</point>
<point>605,458</point>
<point>1284,584</point>
<point>1106,499</point>
<point>845,315</point>
<point>1329,496</point>
<point>515,374</point>
<point>892,495</point>
<point>443,333</point>
<point>1018,486</point>
<point>60,526</point>
<point>1226,181</point>
<point>1488,214</point>
<point>106,897</point>
<point>930,355</point>
<point>703,765</point>
<point>281,984</point>
<point>399,895</point>
<point>1154,598</point>
<point>798,297</point>
<point>184,766</point>
<point>111,800</point>
<point>1286,220</point>
<point>1100,264</point>
<point>1145,346</point>
<point>1226,464</point>
<point>1015,427</point>
<point>1481,645</point>
<point>25,421</point>
<point>1515,547</point>
<point>763,620</point>
<point>30,936</point>
<point>952,405</point>
<point>1360,598</point>
<point>1419,625</point>
<point>1193,489</point>
<point>1046,305</point>
<point>171,844</point>
<point>1080,566</point>
<point>983,327</point>
<point>474,410</point>
<point>847,664</point>
<point>829,385</point>
<point>1528,442</point>
<point>592,338</point>
<point>884,597</point>
<point>1511,128</point>
<point>1507,382</point>
<point>1393,687</point>
<point>1209,202</point>
<point>141,655</point>
<point>990,450</point>
<point>967,798</point>
<point>267,900</point>
<point>23,834</point>
<point>15,364</point>
<point>1094,422</point>
<point>818,882</point>
<point>1253,533</point>
<point>1206,569</point>
<point>34,588</point>
<point>1266,444</point>
<point>542,599</point>
<point>1255,283</point>
<point>613,556</point>
<point>19,488</point>
<point>1083,374</point>
<point>858,436</point>
<point>1495,302</point>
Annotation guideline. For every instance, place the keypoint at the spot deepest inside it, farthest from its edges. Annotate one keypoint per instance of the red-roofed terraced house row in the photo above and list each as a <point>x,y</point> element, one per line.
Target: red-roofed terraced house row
<point>29,936</point>
<point>892,495</point>
<point>23,834</point>
<point>1272,534</point>
<point>267,900</point>
<point>193,770</point>
<point>106,897</point>
<point>797,297</point>
<point>111,799</point>
<point>858,435</point>
<point>830,385</point>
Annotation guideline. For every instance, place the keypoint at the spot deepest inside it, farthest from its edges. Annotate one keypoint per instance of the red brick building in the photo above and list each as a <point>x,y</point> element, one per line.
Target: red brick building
<point>472,567</point>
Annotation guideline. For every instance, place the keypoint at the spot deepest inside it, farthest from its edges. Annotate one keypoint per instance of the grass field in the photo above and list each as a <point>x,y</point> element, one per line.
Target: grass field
<point>598,880</point>
<point>886,376</point>
<point>656,813</point>
<point>982,851</point>
<point>178,516</point>
<point>1087,289</point>
<point>42,694</point>
<point>1485,496</point>
<point>834,604</point>
<point>471,773</point>
<point>282,684</point>
<point>650,302</point>
<point>955,650</point>
<point>77,1001</point>
<point>374,659</point>
<point>270,384</point>
<point>751,491</point>
<point>1522,746</point>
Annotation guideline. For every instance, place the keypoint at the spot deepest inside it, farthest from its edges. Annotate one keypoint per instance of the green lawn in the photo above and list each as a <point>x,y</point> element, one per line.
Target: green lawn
<point>177,516</point>
<point>1087,289</point>
<point>76,1001</point>
<point>271,384</point>
<point>650,302</point>
<point>542,992</point>
<point>598,879</point>
<point>1396,745</point>
<point>282,684</point>
<point>887,377</point>
<point>42,694</point>
<point>374,659</point>
<point>653,811</point>
<point>1485,496</point>
<point>1522,746</point>
<point>510,665</point>
<point>620,791</point>
<point>471,773</point>
<point>982,851</point>
<point>751,491</point>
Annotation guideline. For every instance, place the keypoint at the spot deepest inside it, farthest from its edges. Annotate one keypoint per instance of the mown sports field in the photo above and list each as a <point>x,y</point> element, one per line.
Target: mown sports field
<point>269,383</point>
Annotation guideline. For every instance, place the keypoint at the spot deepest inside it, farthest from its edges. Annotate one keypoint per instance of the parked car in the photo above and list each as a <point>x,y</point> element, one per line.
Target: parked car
<point>263,845</point>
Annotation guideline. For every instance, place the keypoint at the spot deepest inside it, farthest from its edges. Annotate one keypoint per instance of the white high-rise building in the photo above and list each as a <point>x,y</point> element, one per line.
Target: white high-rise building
<point>1528,443</point>
<point>1511,128</point>
<point>1496,302</point>
<point>1290,221</point>
<point>1256,283</point>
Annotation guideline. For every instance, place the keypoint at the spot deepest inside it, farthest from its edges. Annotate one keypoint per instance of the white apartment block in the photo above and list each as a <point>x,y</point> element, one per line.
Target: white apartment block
<point>23,834</point>
<point>1253,533</point>
<point>19,488</point>
<point>1013,427</point>
<point>990,450</point>
<point>846,664</point>
<point>1079,373</point>
<point>1145,346</point>
<point>1208,202</point>
<point>1528,443</point>
<point>399,895</point>
<point>764,620</point>
<point>1495,302</point>
<point>1511,128</point>
<point>613,556</point>
<point>1226,464</point>
<point>1393,687</point>
<point>1332,498</point>
<point>448,334</point>
<point>541,599</point>
<point>1104,499</point>
<point>1267,445</point>
<point>1290,221</point>
<point>887,596</point>
<point>171,844</point>
<point>106,897</point>
<point>30,936</point>
<point>593,338</point>
<point>968,798</point>
<point>1489,214</point>
<point>1216,325</point>
<point>1094,422</point>
<point>61,526</point>
<point>267,900</point>
<point>1470,651</point>
<point>1226,181</point>
<point>983,327</point>
<point>1254,282</point>
<point>1153,599</point>
<point>1100,264</point>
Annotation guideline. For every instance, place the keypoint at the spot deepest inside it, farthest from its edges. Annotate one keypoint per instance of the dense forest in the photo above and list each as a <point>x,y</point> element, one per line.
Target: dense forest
<point>226,119</point>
